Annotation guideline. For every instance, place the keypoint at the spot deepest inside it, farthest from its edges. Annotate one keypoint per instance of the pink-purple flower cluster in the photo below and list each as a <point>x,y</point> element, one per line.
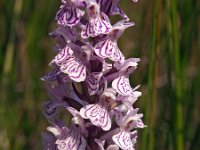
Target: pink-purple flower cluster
<point>90,80</point>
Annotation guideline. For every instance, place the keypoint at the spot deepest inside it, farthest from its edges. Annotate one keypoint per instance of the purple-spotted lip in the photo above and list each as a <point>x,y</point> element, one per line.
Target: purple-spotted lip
<point>69,15</point>
<point>123,140</point>
<point>122,85</point>
<point>108,49</point>
<point>98,115</point>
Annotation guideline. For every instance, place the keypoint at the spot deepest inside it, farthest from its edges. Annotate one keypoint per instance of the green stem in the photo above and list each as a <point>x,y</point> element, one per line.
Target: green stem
<point>151,104</point>
<point>178,90</point>
<point>169,67</point>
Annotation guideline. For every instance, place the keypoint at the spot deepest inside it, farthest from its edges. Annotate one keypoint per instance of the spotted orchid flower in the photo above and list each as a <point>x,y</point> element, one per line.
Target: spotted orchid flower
<point>75,69</point>
<point>68,138</point>
<point>98,113</point>
<point>128,101</point>
<point>69,14</point>
<point>127,123</point>
<point>98,22</point>
<point>109,48</point>
<point>70,64</point>
<point>122,84</point>
<point>125,140</point>
<point>130,121</point>
<point>72,138</point>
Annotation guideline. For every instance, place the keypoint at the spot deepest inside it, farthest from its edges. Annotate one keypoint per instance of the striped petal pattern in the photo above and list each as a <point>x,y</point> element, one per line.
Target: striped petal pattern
<point>96,26</point>
<point>71,140</point>
<point>69,15</point>
<point>75,69</point>
<point>98,115</point>
<point>70,64</point>
<point>122,86</point>
<point>109,49</point>
<point>62,56</point>
<point>123,140</point>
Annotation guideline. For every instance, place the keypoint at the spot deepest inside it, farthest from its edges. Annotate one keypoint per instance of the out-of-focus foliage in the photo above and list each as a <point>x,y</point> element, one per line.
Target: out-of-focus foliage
<point>166,38</point>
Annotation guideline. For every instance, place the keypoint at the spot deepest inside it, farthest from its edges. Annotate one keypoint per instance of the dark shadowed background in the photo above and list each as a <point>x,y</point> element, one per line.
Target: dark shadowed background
<point>167,39</point>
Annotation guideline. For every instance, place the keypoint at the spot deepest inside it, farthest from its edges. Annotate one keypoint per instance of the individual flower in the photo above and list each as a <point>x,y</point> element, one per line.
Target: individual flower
<point>68,138</point>
<point>98,22</point>
<point>69,14</point>
<point>125,140</point>
<point>70,64</point>
<point>122,84</point>
<point>72,138</point>
<point>130,121</point>
<point>128,101</point>
<point>98,113</point>
<point>108,48</point>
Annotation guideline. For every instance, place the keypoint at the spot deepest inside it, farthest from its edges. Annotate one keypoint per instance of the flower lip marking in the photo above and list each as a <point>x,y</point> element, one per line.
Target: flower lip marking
<point>128,124</point>
<point>92,10</point>
<point>115,32</point>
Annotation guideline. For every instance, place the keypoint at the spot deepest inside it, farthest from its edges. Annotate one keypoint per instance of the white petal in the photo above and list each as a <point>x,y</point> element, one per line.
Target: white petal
<point>69,15</point>
<point>62,56</point>
<point>75,69</point>
<point>109,49</point>
<point>54,130</point>
<point>98,115</point>
<point>123,140</point>
<point>95,27</point>
<point>71,140</point>
<point>122,86</point>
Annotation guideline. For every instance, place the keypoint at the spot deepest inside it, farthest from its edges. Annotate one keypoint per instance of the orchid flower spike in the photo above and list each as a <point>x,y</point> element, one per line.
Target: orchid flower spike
<point>90,80</point>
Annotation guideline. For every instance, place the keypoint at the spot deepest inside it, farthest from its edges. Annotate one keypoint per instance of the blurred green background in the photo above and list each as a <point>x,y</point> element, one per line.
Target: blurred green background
<point>167,39</point>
